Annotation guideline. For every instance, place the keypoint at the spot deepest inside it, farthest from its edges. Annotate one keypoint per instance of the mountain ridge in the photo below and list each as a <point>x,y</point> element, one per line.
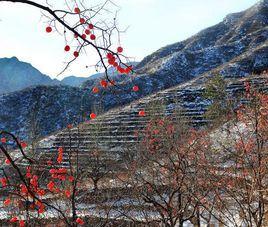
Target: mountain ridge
<point>215,34</point>
<point>16,75</point>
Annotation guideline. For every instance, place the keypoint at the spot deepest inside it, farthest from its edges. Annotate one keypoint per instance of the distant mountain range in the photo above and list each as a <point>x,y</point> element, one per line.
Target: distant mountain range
<point>16,75</point>
<point>73,81</point>
<point>236,47</point>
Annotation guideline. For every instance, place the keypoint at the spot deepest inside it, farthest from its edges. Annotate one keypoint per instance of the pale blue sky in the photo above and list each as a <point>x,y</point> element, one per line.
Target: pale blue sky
<point>152,25</point>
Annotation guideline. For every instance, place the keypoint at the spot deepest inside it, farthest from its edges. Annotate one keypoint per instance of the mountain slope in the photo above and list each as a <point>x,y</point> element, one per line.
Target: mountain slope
<point>117,129</point>
<point>218,44</point>
<point>48,108</point>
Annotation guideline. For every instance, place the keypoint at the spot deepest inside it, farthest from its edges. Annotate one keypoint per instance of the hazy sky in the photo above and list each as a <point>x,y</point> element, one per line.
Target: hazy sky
<point>152,24</point>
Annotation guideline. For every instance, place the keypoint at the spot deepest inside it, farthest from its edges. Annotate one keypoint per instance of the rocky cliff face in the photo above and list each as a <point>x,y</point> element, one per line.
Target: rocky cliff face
<point>236,47</point>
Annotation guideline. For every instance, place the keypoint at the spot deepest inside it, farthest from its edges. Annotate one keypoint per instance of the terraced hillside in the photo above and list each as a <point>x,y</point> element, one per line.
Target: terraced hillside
<point>120,129</point>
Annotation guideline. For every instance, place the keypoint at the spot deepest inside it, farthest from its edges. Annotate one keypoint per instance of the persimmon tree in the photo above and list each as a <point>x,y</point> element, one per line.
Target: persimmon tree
<point>50,187</point>
<point>168,171</point>
<point>101,164</point>
<point>43,187</point>
<point>35,189</point>
<point>86,29</point>
<point>241,177</point>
